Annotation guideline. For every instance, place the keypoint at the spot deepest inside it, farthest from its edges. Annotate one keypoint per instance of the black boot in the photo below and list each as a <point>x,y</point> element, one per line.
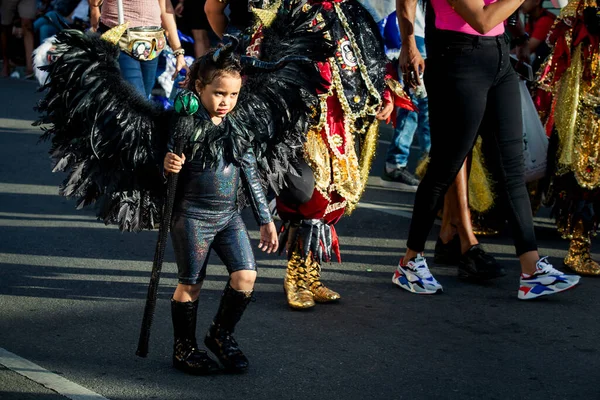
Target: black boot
<point>219,338</point>
<point>186,356</point>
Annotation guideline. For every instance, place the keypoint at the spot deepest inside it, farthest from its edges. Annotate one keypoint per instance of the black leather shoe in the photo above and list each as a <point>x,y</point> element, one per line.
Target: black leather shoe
<point>448,253</point>
<point>191,360</point>
<point>477,265</point>
<point>224,346</point>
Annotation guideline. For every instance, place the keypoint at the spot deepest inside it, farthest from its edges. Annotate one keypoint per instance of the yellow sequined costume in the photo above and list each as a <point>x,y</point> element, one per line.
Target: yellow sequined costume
<point>568,99</point>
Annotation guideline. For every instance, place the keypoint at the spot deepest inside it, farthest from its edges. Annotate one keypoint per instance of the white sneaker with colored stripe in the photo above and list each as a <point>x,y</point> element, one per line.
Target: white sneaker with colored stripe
<point>416,278</point>
<point>546,280</point>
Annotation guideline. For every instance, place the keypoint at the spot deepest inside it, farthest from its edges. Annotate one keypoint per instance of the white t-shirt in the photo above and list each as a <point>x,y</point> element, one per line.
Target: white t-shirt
<point>379,9</point>
<point>419,25</point>
<point>82,11</point>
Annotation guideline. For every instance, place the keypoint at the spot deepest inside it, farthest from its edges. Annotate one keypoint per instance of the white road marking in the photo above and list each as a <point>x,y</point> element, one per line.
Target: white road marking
<point>23,126</point>
<point>406,212</point>
<point>403,212</point>
<point>400,211</point>
<point>77,217</point>
<point>73,262</point>
<point>46,378</point>
<point>19,188</point>
<point>44,223</point>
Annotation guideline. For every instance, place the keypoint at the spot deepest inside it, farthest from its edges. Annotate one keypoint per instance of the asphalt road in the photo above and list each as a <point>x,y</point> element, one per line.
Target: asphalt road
<point>72,294</point>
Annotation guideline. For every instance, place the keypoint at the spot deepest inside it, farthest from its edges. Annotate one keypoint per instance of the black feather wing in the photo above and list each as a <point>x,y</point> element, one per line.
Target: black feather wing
<point>109,139</point>
<point>278,100</point>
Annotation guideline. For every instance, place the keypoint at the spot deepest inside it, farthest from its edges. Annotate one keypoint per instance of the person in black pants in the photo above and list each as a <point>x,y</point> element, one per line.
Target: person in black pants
<point>472,90</point>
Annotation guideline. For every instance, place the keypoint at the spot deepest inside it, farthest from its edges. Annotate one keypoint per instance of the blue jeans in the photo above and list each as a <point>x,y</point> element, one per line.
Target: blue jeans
<point>407,124</point>
<point>49,24</point>
<point>141,74</point>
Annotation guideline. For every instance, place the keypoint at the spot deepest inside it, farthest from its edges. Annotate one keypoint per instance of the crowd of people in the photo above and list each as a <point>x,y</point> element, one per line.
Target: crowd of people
<point>451,76</point>
<point>28,23</point>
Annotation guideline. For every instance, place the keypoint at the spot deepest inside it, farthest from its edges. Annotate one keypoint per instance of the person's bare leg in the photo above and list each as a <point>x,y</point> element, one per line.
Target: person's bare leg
<point>409,255</point>
<point>27,25</point>
<point>461,215</point>
<point>243,280</point>
<point>528,261</point>
<point>456,217</point>
<point>4,43</point>
<point>201,42</point>
<point>447,230</point>
<point>184,293</point>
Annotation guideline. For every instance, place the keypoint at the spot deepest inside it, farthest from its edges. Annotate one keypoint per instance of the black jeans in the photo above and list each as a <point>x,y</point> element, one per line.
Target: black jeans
<point>473,91</point>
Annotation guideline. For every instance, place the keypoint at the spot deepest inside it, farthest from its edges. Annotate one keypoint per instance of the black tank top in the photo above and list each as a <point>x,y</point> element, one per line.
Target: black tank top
<point>239,16</point>
<point>430,29</point>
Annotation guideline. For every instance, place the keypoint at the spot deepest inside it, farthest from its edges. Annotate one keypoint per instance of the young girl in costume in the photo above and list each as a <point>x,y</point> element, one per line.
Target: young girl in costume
<point>206,217</point>
<point>236,141</point>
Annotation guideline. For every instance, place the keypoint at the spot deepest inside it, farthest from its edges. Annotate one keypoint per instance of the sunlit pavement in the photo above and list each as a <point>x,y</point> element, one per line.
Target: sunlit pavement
<point>72,294</point>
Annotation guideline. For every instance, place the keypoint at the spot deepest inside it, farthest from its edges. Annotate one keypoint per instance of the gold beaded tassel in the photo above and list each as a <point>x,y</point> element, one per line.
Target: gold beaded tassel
<point>570,10</point>
<point>317,156</point>
<point>566,109</point>
<point>367,154</point>
<point>481,194</point>
<point>586,168</point>
<point>577,119</point>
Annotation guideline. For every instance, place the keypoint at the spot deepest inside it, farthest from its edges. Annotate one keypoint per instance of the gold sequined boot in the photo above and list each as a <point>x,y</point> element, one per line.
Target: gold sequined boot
<point>320,292</point>
<point>579,259</point>
<point>295,284</point>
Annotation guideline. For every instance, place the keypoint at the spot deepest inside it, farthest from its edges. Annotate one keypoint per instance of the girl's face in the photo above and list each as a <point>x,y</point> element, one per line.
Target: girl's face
<point>220,96</point>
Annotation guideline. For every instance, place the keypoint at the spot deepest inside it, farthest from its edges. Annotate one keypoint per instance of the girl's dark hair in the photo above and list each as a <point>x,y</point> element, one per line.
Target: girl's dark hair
<point>215,63</point>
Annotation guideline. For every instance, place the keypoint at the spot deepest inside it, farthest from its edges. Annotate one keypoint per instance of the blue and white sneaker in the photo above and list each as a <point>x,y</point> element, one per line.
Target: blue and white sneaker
<point>416,278</point>
<point>546,280</point>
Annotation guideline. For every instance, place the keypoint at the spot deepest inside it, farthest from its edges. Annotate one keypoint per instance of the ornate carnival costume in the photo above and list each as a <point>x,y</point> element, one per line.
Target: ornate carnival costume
<point>112,142</point>
<point>568,100</point>
<point>359,85</point>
